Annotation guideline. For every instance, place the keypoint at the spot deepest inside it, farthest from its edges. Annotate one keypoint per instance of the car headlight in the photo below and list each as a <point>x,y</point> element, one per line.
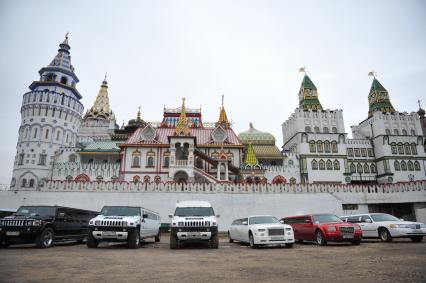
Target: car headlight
<point>357,227</point>
<point>174,224</point>
<point>214,223</point>
<point>97,222</point>
<point>91,222</point>
<point>331,229</point>
<point>180,223</point>
<point>422,225</point>
<point>36,223</point>
<point>207,223</point>
<point>399,226</point>
<point>261,230</point>
<point>125,223</point>
<point>288,229</point>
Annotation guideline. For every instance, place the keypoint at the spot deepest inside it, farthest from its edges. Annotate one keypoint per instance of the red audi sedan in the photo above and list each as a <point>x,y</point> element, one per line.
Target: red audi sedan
<point>323,228</point>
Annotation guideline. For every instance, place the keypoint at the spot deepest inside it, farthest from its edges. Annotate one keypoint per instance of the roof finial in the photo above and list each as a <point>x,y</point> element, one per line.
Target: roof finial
<point>105,78</point>
<point>372,73</point>
<point>418,101</point>
<point>66,35</point>
<point>182,127</point>
<point>303,69</point>
<point>251,125</point>
<point>139,113</point>
<point>222,99</point>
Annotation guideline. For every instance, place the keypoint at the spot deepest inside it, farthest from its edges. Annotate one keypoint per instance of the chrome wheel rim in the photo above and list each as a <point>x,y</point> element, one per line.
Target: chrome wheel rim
<point>319,238</point>
<point>251,241</point>
<point>48,238</point>
<point>384,235</point>
<point>137,239</point>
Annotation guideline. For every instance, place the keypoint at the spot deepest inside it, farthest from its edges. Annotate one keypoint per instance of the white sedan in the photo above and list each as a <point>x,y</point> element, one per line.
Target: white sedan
<point>261,230</point>
<point>386,227</point>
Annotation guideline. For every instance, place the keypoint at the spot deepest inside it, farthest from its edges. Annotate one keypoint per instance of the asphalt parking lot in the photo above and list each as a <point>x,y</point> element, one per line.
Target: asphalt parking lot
<point>372,261</point>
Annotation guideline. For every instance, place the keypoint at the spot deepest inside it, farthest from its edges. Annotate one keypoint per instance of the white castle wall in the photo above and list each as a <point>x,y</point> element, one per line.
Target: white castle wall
<point>93,170</point>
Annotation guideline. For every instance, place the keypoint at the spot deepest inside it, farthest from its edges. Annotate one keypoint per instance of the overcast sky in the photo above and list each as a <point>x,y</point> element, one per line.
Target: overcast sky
<point>156,52</point>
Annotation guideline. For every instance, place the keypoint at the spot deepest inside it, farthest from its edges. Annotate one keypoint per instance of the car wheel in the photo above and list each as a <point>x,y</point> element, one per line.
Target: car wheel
<point>384,235</point>
<point>174,242</point>
<point>356,242</point>
<point>134,240</point>
<point>320,238</point>
<point>214,243</point>
<point>416,239</point>
<point>158,237</point>
<point>4,244</point>
<point>45,238</point>
<point>289,245</point>
<point>91,241</point>
<point>251,241</point>
<point>299,241</point>
<point>230,239</point>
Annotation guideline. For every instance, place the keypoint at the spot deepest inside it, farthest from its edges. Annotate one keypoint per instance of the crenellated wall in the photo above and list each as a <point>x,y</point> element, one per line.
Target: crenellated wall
<point>107,170</point>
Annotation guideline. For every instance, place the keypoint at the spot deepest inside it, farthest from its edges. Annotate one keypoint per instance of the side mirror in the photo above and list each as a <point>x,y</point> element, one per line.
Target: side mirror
<point>308,221</point>
<point>144,216</point>
<point>217,215</point>
<point>61,214</point>
<point>170,216</point>
<point>282,221</point>
<point>368,220</point>
<point>402,219</point>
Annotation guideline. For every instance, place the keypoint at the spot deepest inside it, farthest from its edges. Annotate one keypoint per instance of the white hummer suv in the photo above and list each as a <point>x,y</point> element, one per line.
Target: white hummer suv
<point>124,223</point>
<point>194,220</point>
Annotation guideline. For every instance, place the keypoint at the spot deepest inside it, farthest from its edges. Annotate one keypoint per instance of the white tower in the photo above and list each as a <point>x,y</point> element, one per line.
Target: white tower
<point>50,118</point>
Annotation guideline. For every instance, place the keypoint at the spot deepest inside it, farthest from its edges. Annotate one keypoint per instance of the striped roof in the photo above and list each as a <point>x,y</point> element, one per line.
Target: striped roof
<point>267,151</point>
<point>101,146</point>
<point>202,135</point>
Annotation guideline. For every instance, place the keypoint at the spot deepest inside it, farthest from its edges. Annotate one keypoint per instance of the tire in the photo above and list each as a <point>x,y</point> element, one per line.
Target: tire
<point>4,244</point>
<point>134,240</point>
<point>229,237</point>
<point>251,241</point>
<point>214,242</point>
<point>319,236</point>
<point>158,237</point>
<point>299,241</point>
<point>45,238</point>
<point>416,239</point>
<point>289,245</point>
<point>384,235</point>
<point>356,242</point>
<point>91,241</point>
<point>174,242</point>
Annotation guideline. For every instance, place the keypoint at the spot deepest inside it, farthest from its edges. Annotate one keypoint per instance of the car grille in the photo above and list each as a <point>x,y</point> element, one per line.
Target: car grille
<point>116,223</point>
<point>417,226</point>
<point>194,223</point>
<point>276,232</point>
<point>347,232</point>
<point>196,229</point>
<point>109,228</point>
<point>15,222</point>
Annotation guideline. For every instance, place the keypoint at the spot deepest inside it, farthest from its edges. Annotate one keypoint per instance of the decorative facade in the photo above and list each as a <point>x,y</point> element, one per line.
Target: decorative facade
<point>57,143</point>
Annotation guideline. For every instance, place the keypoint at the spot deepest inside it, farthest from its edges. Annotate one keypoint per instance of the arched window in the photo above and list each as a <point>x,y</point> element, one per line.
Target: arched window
<point>90,160</point>
<point>336,165</point>
<point>136,158</point>
<point>327,147</point>
<point>388,132</point>
<point>314,165</point>
<point>334,146</point>
<point>400,148</point>
<point>58,134</point>
<point>352,168</point>
<point>105,161</point>
<point>325,130</point>
<point>319,146</point>
<point>166,161</point>
<point>417,166</point>
<point>150,159</point>
<point>403,166</point>
<point>413,149</point>
<point>366,168</point>
<point>321,165</point>
<point>396,165</point>
<point>307,129</point>
<point>404,132</point>
<point>46,134</point>
<point>329,165</point>
<point>413,132</point>
<point>31,185</point>
<point>316,129</point>
<point>334,130</point>
<point>72,158</point>
<point>99,178</point>
<point>407,149</point>
<point>312,146</point>
<point>24,183</point>
<point>64,80</point>
<point>373,168</point>
<point>359,168</point>
<point>290,162</point>
<point>35,133</point>
<point>410,166</point>
<point>395,132</point>
<point>393,148</point>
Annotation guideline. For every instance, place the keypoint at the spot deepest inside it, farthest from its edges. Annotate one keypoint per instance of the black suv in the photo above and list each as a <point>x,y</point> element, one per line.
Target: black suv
<point>44,224</point>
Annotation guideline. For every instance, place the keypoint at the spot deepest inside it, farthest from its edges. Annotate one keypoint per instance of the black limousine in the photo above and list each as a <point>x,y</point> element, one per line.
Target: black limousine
<point>44,225</point>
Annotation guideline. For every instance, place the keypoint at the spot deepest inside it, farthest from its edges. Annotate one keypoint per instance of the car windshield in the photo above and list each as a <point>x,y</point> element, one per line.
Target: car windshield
<point>31,211</point>
<point>263,220</point>
<point>120,211</point>
<point>194,211</point>
<point>325,218</point>
<point>383,217</point>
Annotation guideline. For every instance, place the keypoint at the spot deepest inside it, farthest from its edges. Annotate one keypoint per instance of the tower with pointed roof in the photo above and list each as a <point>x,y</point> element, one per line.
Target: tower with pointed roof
<point>50,118</point>
<point>378,99</point>
<point>308,95</point>
<point>182,127</point>
<point>223,119</point>
<point>99,122</point>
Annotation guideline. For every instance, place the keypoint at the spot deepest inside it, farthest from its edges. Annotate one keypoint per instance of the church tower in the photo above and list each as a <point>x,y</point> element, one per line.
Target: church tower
<point>50,118</point>
<point>378,99</point>
<point>308,95</point>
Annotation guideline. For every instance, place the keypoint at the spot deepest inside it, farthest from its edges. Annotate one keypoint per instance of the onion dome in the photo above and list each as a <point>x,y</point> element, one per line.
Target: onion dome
<point>254,136</point>
<point>421,111</point>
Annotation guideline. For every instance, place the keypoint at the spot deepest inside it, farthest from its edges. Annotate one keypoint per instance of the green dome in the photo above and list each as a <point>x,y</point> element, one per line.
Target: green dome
<point>256,137</point>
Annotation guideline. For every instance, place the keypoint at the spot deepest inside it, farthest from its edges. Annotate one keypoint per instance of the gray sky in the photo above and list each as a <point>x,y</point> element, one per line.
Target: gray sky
<point>156,52</point>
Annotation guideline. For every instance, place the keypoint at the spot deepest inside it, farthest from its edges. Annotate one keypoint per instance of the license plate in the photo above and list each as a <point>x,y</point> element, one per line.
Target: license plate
<point>108,234</point>
<point>12,233</point>
<point>277,238</point>
<point>195,234</point>
<point>348,236</point>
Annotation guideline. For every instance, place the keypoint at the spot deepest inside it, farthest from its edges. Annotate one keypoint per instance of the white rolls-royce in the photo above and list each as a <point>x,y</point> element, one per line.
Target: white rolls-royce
<point>386,227</point>
<point>261,230</point>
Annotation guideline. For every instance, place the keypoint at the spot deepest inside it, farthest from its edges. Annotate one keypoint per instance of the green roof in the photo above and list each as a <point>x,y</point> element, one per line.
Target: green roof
<point>307,83</point>
<point>377,86</point>
<point>255,136</point>
<point>102,146</point>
